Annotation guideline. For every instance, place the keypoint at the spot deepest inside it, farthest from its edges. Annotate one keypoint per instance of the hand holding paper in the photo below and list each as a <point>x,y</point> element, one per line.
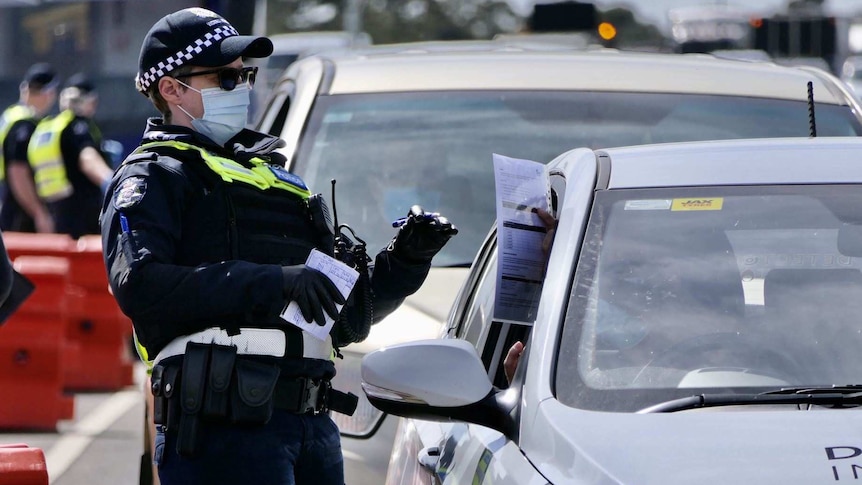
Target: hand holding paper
<point>330,285</point>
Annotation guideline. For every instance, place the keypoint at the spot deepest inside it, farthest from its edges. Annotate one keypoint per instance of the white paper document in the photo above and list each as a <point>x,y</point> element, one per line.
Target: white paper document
<point>339,273</point>
<point>522,186</point>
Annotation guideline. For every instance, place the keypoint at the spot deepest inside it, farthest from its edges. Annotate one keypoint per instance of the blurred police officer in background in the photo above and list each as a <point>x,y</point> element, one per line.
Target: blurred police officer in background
<point>68,166</point>
<point>205,237</point>
<point>22,210</point>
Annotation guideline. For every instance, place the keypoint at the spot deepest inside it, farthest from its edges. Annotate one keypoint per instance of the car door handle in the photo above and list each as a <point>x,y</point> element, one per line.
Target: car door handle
<point>428,457</point>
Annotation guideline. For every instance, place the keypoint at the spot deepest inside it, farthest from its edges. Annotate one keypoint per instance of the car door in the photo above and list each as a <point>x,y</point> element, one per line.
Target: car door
<point>471,453</point>
<point>451,452</point>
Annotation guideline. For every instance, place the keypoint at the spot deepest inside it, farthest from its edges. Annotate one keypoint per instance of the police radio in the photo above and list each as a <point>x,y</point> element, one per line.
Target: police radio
<point>354,322</point>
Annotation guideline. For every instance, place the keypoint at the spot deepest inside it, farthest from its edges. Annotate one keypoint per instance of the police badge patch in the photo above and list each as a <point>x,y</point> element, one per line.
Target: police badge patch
<point>285,176</point>
<point>129,192</point>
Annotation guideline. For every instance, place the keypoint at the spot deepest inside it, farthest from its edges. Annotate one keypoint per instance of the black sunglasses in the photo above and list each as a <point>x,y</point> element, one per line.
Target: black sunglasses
<point>230,77</point>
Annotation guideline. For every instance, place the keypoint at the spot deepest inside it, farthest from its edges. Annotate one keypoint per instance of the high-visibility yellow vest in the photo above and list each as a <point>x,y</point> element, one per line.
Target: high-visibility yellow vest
<point>262,175</point>
<point>12,115</point>
<point>46,158</point>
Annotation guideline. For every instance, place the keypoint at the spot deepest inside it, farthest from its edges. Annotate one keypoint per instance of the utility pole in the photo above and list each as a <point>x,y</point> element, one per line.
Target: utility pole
<point>259,25</point>
<point>352,17</point>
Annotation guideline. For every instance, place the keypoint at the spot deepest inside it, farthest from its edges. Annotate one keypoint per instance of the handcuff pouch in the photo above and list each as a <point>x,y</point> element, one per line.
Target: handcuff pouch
<point>195,364</point>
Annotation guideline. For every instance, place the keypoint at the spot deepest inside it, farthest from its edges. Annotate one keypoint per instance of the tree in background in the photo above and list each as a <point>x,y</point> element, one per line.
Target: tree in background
<point>389,21</point>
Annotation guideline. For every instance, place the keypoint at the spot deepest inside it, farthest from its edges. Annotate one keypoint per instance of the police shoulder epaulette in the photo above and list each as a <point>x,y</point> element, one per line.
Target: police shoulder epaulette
<point>141,157</point>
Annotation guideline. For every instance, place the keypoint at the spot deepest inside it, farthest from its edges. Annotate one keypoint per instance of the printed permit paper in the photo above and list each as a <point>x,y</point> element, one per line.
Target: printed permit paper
<point>339,273</point>
<point>522,187</point>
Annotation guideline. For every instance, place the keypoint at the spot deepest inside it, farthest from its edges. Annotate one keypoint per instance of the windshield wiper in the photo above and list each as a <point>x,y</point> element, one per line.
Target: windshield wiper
<point>834,396</point>
<point>843,389</point>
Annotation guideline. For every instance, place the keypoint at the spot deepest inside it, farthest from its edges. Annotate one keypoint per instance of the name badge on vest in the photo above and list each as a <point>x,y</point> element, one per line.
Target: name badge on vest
<point>287,177</point>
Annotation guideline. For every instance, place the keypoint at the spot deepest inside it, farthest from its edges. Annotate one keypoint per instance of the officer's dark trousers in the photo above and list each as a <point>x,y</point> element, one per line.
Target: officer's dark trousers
<point>292,449</point>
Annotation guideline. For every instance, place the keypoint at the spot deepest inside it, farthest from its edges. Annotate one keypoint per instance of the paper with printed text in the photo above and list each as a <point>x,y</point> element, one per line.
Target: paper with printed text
<point>339,273</point>
<point>522,187</point>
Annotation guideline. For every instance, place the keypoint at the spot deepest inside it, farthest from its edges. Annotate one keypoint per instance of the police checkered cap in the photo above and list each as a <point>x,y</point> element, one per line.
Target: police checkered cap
<point>196,37</point>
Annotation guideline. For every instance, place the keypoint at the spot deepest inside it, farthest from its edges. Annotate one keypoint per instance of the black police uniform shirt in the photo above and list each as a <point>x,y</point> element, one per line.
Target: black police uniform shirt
<point>12,215</point>
<point>78,214</point>
<point>163,261</point>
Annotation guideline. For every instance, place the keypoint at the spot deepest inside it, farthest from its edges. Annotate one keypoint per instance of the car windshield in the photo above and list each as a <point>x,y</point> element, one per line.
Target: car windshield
<point>390,150</point>
<point>713,290</point>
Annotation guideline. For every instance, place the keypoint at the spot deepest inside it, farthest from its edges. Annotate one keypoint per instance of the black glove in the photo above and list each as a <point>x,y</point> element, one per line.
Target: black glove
<point>312,291</point>
<point>422,235</point>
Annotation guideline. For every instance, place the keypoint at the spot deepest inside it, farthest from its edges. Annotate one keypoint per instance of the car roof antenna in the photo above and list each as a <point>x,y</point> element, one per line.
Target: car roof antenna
<point>812,125</point>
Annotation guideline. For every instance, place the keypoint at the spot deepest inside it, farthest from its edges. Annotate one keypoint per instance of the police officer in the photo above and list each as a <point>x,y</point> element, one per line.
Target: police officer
<point>22,210</point>
<point>68,167</point>
<point>205,236</point>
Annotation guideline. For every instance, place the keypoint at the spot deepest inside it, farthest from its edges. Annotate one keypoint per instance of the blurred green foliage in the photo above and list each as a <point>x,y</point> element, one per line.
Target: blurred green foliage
<point>389,21</point>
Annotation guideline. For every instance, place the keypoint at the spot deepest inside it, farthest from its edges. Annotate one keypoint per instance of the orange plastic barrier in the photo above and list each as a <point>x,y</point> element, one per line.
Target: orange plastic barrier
<point>97,354</point>
<point>97,325</point>
<point>22,465</point>
<point>33,349</point>
<point>29,244</point>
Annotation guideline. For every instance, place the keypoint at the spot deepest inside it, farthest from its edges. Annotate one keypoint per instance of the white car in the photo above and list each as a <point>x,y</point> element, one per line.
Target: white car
<point>698,323</point>
<point>401,124</point>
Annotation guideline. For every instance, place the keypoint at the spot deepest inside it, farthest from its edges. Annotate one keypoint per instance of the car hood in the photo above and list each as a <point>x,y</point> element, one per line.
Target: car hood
<point>421,316</point>
<point>754,444</point>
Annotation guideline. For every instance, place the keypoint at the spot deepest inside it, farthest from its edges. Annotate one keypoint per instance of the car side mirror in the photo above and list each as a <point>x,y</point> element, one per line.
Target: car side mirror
<point>438,380</point>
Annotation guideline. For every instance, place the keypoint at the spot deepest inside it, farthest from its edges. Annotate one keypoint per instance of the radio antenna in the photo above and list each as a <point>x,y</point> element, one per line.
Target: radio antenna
<point>334,211</point>
<point>812,125</point>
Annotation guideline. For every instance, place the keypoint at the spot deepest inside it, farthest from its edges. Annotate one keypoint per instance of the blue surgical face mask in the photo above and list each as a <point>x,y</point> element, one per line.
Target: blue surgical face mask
<point>225,112</point>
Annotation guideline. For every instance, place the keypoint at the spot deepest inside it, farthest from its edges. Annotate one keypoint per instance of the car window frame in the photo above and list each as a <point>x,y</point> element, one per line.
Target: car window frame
<point>278,105</point>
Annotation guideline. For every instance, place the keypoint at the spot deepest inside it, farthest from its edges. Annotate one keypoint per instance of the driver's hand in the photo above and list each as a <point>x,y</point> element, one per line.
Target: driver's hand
<point>510,363</point>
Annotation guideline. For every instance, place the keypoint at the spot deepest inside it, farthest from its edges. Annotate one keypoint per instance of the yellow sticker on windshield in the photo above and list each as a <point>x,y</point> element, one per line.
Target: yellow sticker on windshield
<point>704,204</point>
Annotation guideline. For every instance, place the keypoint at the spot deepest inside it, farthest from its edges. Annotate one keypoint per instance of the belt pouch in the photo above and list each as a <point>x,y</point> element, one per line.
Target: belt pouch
<point>251,399</point>
<point>171,405</point>
<point>220,372</point>
<point>192,388</point>
<point>160,403</point>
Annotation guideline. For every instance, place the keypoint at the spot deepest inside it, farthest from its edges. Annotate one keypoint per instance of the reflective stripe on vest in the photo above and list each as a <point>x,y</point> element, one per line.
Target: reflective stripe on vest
<point>270,342</point>
<point>46,158</point>
<point>260,176</point>
<point>12,115</point>
<point>142,353</point>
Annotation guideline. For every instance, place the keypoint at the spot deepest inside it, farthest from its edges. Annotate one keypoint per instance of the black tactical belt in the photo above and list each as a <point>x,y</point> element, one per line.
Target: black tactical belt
<point>303,395</point>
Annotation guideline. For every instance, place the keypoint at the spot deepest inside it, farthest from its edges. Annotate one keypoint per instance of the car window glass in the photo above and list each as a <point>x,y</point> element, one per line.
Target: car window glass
<point>696,290</point>
<point>479,311</point>
<point>391,150</point>
<point>272,120</point>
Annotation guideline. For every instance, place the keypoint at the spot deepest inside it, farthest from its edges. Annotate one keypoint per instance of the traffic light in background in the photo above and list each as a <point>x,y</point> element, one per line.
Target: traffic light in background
<point>563,17</point>
<point>796,37</point>
<point>607,31</point>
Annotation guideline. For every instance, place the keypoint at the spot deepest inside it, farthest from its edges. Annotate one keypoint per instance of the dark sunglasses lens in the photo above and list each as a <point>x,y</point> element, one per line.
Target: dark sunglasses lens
<point>229,78</point>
